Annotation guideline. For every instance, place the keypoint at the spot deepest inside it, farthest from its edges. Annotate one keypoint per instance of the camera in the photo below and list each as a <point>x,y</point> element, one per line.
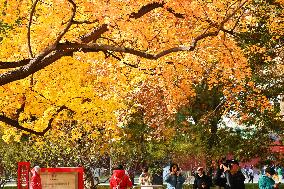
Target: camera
<point>227,163</point>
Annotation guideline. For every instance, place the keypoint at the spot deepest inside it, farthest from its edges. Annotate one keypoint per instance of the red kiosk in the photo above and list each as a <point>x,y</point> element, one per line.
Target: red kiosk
<point>52,178</point>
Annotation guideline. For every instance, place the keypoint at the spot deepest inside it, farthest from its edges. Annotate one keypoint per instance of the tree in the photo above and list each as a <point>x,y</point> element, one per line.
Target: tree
<point>83,67</point>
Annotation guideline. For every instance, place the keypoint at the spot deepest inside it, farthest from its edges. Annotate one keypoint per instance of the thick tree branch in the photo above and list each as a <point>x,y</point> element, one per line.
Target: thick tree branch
<point>149,7</point>
<point>95,34</point>
<point>100,47</point>
<point>49,56</point>
<point>16,124</point>
<point>84,22</point>
<point>7,65</point>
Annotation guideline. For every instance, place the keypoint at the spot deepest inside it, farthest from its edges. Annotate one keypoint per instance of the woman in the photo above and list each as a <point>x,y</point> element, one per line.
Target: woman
<point>35,179</point>
<point>145,179</point>
<point>119,179</point>
<point>174,178</point>
<point>266,181</point>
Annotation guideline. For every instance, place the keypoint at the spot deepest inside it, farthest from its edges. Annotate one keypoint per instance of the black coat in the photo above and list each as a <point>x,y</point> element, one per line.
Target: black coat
<point>235,181</point>
<point>198,181</point>
<point>219,179</point>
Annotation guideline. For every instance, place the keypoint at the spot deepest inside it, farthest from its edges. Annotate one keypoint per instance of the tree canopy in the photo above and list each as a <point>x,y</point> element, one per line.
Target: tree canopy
<point>82,67</point>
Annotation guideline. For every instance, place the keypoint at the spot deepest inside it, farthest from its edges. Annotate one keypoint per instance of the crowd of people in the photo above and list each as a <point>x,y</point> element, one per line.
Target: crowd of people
<point>228,175</point>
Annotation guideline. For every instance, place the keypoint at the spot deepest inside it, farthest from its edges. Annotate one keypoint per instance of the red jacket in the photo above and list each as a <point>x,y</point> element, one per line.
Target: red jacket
<point>35,180</point>
<point>119,178</point>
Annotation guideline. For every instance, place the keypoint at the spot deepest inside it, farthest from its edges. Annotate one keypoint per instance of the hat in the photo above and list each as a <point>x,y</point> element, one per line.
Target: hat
<point>270,170</point>
<point>37,168</point>
<point>199,168</point>
<point>233,161</point>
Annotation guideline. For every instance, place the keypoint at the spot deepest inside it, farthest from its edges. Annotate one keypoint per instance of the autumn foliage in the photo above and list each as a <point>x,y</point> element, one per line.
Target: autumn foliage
<point>95,61</point>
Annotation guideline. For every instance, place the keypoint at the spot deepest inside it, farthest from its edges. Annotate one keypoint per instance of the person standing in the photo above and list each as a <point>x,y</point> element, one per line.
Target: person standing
<point>145,179</point>
<point>266,181</point>
<point>279,173</point>
<point>202,181</point>
<point>220,179</point>
<point>234,176</point>
<point>174,178</point>
<point>35,179</point>
<point>119,179</point>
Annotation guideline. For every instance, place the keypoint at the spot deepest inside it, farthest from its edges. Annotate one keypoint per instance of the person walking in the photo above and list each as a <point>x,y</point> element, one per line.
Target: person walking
<point>145,179</point>
<point>250,174</point>
<point>234,176</point>
<point>266,181</point>
<point>174,178</point>
<point>35,179</point>
<point>119,179</point>
<point>202,181</point>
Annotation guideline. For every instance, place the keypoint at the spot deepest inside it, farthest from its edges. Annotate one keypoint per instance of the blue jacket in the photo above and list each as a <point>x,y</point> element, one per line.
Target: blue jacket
<point>265,182</point>
<point>174,181</point>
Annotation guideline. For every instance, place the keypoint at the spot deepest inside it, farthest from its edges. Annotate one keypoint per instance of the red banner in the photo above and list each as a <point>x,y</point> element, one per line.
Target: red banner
<point>23,175</point>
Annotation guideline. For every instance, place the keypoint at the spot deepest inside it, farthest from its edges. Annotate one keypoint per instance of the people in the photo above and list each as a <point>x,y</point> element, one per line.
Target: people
<point>35,179</point>
<point>202,181</point>
<point>119,179</point>
<point>174,178</point>
<point>145,179</point>
<point>266,181</point>
<point>234,176</point>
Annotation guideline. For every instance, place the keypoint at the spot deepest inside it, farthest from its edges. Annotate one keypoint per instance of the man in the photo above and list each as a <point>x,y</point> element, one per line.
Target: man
<point>220,178</point>
<point>266,181</point>
<point>234,176</point>
<point>202,181</point>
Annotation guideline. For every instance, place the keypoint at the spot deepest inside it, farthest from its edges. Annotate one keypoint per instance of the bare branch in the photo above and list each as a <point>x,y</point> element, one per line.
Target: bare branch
<point>232,14</point>
<point>69,23</point>
<point>84,22</point>
<point>29,28</point>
